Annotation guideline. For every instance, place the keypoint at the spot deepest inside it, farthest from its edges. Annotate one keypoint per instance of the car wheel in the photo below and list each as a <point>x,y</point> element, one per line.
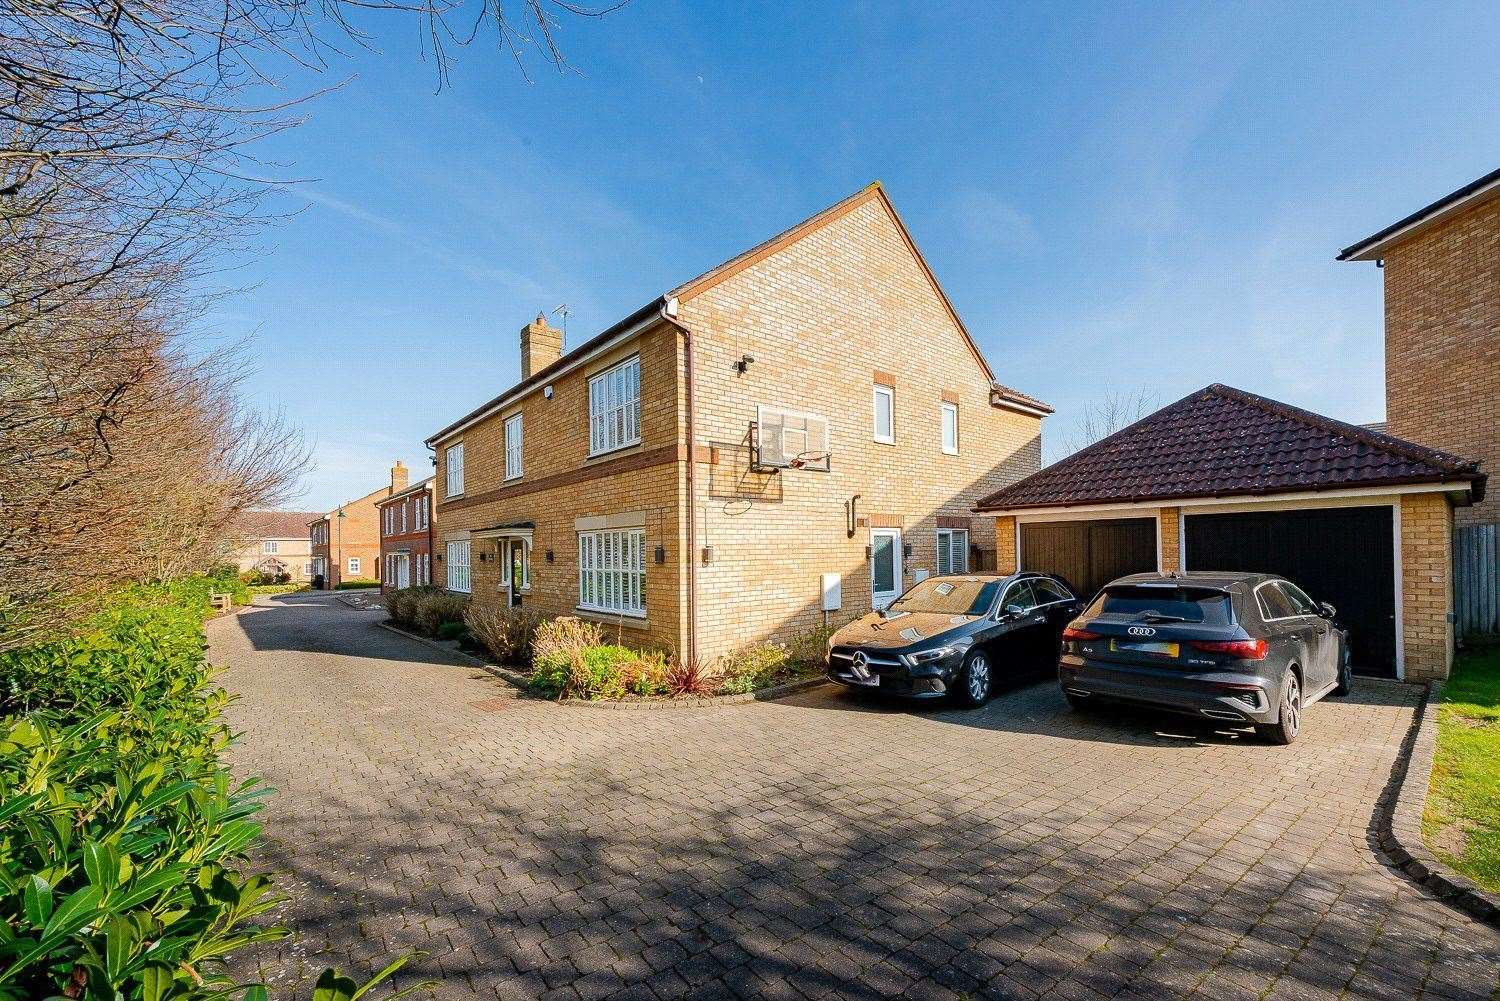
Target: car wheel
<point>1346,674</point>
<point>973,679</point>
<point>1289,716</point>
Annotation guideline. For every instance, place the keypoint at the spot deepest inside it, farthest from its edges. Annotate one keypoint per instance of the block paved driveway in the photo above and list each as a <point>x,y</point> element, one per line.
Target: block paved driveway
<point>822,846</point>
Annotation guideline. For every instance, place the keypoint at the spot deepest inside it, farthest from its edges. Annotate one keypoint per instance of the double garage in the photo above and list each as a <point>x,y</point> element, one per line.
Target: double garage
<point>1227,480</point>
<point>1345,555</point>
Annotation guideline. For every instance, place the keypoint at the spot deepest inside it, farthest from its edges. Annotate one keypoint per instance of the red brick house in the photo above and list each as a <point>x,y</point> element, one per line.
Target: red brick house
<point>345,542</point>
<point>406,537</point>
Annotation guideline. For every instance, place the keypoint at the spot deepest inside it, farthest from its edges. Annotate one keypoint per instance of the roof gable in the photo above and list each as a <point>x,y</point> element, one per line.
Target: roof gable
<point>1475,193</point>
<point>1221,442</point>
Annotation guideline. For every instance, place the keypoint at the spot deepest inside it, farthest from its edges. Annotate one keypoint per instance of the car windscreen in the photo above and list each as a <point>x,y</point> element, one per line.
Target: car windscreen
<point>1167,604</point>
<point>948,596</point>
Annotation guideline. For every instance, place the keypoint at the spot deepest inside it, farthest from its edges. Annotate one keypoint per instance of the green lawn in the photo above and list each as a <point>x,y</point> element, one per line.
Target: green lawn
<point>1462,822</point>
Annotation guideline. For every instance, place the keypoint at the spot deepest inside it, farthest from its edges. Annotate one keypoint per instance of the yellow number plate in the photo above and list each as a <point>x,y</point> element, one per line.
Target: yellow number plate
<point>1130,646</point>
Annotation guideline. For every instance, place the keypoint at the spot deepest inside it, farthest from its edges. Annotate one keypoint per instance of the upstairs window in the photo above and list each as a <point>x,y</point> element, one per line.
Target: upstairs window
<point>950,429</point>
<point>513,447</point>
<point>615,407</point>
<point>403,515</point>
<point>453,460</point>
<point>270,548</point>
<point>885,406</point>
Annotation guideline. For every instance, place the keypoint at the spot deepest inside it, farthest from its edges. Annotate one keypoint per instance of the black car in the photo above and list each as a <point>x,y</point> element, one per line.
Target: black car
<point>947,636</point>
<point>1239,647</point>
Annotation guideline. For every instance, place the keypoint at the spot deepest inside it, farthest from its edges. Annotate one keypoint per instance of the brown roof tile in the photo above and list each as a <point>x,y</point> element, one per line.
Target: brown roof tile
<point>1221,442</point>
<point>276,524</point>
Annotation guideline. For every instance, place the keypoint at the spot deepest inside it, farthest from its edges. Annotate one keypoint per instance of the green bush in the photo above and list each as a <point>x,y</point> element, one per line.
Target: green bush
<point>451,631</point>
<point>354,583</point>
<point>569,661</point>
<point>753,667</point>
<point>506,633</point>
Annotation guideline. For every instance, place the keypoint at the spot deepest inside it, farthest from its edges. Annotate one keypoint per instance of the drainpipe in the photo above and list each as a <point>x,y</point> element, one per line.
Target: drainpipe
<point>669,313</point>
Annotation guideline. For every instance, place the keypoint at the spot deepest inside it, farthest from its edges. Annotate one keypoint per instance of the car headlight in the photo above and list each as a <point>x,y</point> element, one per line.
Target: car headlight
<point>928,656</point>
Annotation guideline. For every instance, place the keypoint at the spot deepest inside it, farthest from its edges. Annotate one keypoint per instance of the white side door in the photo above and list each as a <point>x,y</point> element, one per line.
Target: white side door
<point>403,570</point>
<point>885,566</point>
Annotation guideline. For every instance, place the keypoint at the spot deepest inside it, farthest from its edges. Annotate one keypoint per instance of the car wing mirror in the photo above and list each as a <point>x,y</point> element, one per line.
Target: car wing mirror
<point>1013,612</point>
<point>1327,610</point>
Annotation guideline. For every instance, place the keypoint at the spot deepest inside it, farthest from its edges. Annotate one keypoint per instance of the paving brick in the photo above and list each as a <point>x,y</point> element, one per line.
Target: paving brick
<point>821,846</point>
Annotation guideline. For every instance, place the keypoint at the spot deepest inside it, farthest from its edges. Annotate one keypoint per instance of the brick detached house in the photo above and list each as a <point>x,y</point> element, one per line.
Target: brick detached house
<point>794,436</point>
<point>1442,362</point>
<point>346,540</point>
<point>1228,480</point>
<point>1442,327</point>
<point>276,543</point>
<point>406,537</point>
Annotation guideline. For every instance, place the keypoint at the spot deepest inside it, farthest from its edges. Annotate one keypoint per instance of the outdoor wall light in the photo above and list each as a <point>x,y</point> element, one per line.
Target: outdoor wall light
<point>483,556</point>
<point>869,552</point>
<point>440,557</point>
<point>661,554</point>
<point>550,557</point>
<point>906,550</point>
<point>743,364</point>
<point>708,555</point>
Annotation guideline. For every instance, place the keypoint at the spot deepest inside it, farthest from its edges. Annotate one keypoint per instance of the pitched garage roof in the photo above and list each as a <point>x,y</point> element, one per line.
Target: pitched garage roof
<point>1223,442</point>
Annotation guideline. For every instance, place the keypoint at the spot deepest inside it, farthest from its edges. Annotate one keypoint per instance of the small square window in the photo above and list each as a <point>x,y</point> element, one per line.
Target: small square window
<point>354,564</point>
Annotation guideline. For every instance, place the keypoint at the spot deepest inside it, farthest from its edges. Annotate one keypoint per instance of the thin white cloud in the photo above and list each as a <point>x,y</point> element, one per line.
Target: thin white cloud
<point>987,220</point>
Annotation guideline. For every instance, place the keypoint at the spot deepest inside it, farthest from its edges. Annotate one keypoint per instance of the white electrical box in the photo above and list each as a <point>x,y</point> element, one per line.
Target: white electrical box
<point>833,592</point>
<point>919,574</point>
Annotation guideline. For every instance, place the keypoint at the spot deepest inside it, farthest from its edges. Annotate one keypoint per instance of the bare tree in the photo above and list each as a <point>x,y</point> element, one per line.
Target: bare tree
<point>127,137</point>
<point>1105,416</point>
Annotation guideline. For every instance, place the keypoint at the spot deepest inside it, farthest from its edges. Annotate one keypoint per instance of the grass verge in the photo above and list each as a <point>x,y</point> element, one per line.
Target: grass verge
<point>1462,821</point>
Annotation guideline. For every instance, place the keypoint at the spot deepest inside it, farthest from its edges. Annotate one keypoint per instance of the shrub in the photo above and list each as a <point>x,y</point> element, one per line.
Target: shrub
<point>565,635</point>
<point>810,648</point>
<point>687,677</point>
<point>451,631</point>
<point>355,582</point>
<point>505,632</point>
<point>753,667</point>
<point>425,609</point>
<point>120,831</point>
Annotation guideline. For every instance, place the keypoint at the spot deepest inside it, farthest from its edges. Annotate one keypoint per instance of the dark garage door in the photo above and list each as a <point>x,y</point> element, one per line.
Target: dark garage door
<point>1338,555</point>
<point>1090,554</point>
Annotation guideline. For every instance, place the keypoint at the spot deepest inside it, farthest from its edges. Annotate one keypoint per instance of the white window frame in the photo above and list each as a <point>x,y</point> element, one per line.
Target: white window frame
<point>460,573</point>
<point>947,411</point>
<point>615,407</point>
<point>308,567</point>
<point>889,438</point>
<point>270,547</point>
<point>612,572</point>
<point>513,448</point>
<point>353,564</point>
<point>403,517</point>
<point>945,550</point>
<point>505,563</point>
<point>454,470</point>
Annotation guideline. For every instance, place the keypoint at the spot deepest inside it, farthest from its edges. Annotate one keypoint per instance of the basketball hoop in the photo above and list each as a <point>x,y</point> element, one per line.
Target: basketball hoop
<point>803,460</point>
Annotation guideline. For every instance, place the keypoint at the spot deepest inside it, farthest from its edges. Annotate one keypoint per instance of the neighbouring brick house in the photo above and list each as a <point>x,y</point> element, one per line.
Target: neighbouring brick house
<point>346,541</point>
<point>1442,327</point>
<point>804,429</point>
<point>406,537</point>
<point>276,543</point>
<point>1228,480</point>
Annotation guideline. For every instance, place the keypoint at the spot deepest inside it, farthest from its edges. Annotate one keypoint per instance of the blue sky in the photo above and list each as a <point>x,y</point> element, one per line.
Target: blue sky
<point>1116,199</point>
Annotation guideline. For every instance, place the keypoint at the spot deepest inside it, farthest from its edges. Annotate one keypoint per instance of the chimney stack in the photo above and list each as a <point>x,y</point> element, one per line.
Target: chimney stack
<point>398,477</point>
<point>541,345</point>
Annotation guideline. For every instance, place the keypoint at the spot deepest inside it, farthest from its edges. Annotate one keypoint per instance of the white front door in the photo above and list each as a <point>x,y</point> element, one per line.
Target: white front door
<point>403,570</point>
<point>885,566</point>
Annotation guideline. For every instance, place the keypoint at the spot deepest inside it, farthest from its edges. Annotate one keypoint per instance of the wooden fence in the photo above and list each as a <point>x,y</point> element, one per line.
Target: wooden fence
<point>1476,579</point>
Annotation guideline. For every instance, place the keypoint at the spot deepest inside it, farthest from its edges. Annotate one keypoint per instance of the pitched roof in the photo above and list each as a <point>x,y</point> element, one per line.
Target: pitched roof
<point>276,524</point>
<point>422,484</point>
<point>1224,442</point>
<point>729,269</point>
<point>1474,193</point>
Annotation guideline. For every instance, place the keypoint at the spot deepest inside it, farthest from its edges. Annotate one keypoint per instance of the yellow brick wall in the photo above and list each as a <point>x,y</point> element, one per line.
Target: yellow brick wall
<point>1005,544</point>
<point>1442,339</point>
<point>821,317</point>
<point>1168,530</point>
<point>1426,585</point>
<point>555,442</point>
